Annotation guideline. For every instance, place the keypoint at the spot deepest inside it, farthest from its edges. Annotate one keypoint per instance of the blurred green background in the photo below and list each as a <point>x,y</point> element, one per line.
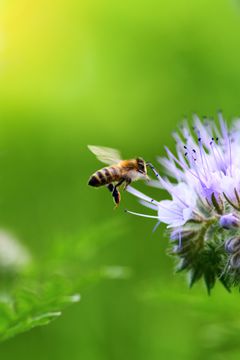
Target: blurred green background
<point>119,74</point>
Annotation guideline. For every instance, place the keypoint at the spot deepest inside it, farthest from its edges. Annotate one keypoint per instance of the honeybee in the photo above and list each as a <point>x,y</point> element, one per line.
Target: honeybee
<point>120,172</point>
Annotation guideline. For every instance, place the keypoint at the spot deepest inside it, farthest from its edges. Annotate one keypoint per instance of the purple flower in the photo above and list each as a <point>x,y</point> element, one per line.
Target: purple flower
<point>229,221</point>
<point>205,175</point>
<point>203,185</point>
<point>173,212</point>
<point>232,245</point>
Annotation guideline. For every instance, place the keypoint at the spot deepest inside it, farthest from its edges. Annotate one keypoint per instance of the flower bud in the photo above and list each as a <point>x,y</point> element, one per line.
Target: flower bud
<point>235,261</point>
<point>232,245</point>
<point>229,221</point>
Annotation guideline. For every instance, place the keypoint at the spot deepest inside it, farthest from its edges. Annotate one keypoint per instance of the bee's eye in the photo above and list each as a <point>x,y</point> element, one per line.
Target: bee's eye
<point>141,166</point>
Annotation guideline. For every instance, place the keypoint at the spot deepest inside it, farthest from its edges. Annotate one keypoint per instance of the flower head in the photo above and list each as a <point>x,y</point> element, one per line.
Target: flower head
<point>203,182</point>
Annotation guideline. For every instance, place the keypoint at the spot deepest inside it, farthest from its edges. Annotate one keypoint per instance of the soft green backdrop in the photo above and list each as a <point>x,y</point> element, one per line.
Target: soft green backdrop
<point>121,74</point>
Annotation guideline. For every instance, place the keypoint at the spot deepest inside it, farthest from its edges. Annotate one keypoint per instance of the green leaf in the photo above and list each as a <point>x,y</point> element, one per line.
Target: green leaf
<point>32,305</point>
<point>37,294</point>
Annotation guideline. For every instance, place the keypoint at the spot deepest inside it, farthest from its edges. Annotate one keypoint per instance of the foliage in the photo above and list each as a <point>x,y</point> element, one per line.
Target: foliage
<point>37,294</point>
<point>203,255</point>
<point>33,303</point>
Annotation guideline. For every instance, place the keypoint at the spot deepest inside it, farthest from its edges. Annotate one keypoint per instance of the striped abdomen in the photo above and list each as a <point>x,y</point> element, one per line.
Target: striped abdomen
<point>105,176</point>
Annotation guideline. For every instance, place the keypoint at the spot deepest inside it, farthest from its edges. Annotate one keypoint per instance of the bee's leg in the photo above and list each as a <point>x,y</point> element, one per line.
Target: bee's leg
<point>110,187</point>
<point>119,183</point>
<point>127,182</point>
<point>116,193</point>
<point>116,197</point>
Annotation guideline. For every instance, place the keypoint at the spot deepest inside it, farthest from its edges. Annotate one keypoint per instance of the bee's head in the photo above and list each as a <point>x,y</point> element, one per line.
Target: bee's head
<point>142,168</point>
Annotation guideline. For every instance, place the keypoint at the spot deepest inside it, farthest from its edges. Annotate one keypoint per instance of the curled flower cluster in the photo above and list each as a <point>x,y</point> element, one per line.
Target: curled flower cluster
<point>203,213</point>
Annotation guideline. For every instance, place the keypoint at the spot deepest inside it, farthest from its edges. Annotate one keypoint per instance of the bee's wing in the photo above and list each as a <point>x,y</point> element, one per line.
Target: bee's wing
<point>106,155</point>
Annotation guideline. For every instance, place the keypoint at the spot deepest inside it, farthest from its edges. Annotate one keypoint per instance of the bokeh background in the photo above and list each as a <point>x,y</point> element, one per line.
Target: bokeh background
<point>120,74</point>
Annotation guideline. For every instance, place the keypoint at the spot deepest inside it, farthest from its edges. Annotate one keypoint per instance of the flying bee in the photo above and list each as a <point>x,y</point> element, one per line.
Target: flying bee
<point>119,172</point>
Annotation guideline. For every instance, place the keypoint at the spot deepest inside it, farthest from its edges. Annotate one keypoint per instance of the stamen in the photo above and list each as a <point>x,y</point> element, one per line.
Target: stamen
<point>180,163</point>
<point>198,174</point>
<point>156,226</point>
<point>202,151</point>
<point>203,129</point>
<point>213,152</point>
<point>216,148</point>
<point>226,137</point>
<point>149,205</point>
<point>140,195</point>
<point>171,167</point>
<point>168,187</point>
<point>142,215</point>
